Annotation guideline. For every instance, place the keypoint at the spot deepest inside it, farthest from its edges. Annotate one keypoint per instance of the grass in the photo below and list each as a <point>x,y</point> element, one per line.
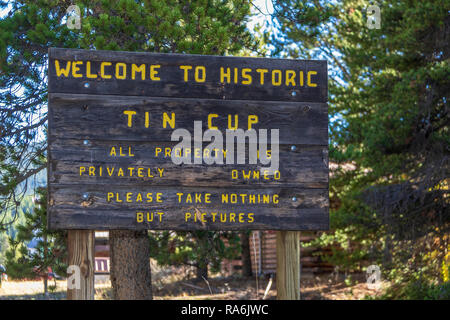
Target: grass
<point>172,286</point>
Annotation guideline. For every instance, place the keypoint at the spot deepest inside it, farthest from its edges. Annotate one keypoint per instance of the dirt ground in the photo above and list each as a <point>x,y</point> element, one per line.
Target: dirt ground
<point>319,287</point>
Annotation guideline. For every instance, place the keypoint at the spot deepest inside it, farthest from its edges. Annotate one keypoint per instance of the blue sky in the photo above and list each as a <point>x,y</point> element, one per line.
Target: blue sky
<point>262,9</point>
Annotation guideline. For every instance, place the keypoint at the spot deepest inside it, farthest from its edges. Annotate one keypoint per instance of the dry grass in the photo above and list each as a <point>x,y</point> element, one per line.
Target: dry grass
<point>174,283</point>
<point>34,290</point>
<point>31,290</point>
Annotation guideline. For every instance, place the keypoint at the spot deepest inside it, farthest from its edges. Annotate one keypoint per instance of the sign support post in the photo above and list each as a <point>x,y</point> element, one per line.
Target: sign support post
<point>81,255</point>
<point>288,265</point>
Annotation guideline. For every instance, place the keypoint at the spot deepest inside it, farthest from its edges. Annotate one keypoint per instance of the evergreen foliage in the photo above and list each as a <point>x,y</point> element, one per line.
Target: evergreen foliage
<point>173,26</point>
<point>47,253</point>
<point>389,133</point>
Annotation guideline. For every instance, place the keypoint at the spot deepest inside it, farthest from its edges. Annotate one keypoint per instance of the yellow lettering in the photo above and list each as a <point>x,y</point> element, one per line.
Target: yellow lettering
<point>110,172</point>
<point>171,120</point>
<point>186,71</point>
<point>128,197</point>
<point>261,74</point>
<point>154,73</point>
<point>210,117</point>
<point>102,70</point>
<point>235,122</point>
<point>110,196</point>
<point>121,75</point>
<point>135,68</point>
<point>275,198</point>
<point>290,77</point>
<point>147,120</point>
<point>224,198</point>
<point>225,75</point>
<point>60,71</point>
<point>197,76</point>
<point>276,74</point>
<point>75,69</point>
<point>310,84</point>
<point>277,175</point>
<point>246,176</point>
<point>246,76</point>
<point>252,119</point>
<point>130,115</point>
<point>88,71</point>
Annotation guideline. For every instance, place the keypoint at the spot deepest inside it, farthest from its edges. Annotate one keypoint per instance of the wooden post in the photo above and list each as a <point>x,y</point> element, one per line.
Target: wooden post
<point>81,254</point>
<point>288,265</point>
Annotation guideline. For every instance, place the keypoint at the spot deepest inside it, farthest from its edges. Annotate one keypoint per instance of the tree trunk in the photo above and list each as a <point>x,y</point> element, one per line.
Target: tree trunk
<point>45,265</point>
<point>45,279</point>
<point>246,258</point>
<point>130,265</point>
<point>202,272</point>
<point>203,249</point>
<point>387,254</point>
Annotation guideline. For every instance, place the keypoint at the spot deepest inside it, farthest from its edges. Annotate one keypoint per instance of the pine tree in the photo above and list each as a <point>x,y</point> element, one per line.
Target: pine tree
<point>47,254</point>
<point>202,250</point>
<point>389,134</point>
<point>31,27</point>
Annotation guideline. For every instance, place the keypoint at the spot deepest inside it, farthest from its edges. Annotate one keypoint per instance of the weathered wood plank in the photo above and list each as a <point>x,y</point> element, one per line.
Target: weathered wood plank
<point>98,117</point>
<point>287,219</point>
<point>306,176</point>
<point>169,78</point>
<point>70,160</point>
<point>86,196</point>
<point>86,206</point>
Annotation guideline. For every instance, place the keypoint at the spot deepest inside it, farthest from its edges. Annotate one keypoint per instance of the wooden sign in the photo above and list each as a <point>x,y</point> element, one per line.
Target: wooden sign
<point>111,120</point>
